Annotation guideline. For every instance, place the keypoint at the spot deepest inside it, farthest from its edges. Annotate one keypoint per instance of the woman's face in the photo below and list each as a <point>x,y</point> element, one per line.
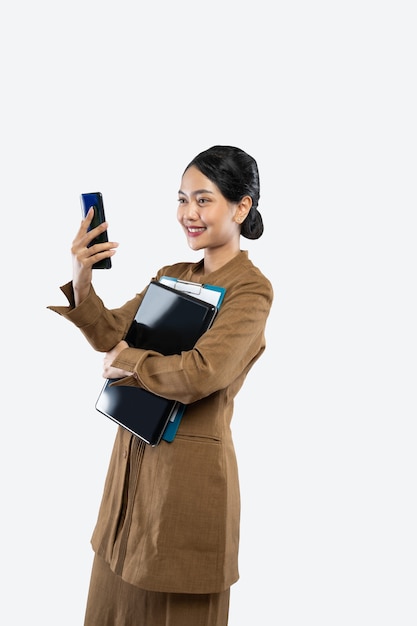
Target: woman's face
<point>207,218</point>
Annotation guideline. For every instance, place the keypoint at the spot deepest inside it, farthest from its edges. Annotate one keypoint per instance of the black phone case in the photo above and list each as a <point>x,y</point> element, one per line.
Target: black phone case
<point>96,200</point>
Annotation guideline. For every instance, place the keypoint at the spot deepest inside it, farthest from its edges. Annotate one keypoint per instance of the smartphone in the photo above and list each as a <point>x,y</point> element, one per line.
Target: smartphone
<point>95,200</point>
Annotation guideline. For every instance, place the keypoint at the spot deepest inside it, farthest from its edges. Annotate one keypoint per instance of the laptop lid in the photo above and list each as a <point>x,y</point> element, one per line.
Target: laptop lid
<point>169,321</point>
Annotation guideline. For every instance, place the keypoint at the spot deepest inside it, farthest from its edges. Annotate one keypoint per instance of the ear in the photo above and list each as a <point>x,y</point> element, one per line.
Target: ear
<point>243,209</point>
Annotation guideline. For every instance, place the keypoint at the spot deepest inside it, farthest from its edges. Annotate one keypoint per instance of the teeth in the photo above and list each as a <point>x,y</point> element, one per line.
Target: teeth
<point>195,230</point>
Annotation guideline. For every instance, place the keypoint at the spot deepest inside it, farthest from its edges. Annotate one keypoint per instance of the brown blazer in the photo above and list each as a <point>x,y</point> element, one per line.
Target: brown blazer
<point>180,527</point>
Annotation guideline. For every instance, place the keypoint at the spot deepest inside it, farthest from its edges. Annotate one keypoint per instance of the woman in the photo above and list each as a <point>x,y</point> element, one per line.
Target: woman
<point>167,535</point>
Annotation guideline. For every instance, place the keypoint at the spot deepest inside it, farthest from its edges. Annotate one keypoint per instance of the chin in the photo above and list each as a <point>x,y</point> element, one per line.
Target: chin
<point>194,246</point>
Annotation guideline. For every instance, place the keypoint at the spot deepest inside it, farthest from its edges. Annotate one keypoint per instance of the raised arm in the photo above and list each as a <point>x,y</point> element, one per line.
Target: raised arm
<point>83,257</point>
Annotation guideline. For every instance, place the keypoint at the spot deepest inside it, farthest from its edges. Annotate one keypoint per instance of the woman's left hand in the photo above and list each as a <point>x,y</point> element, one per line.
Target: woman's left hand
<point>114,372</point>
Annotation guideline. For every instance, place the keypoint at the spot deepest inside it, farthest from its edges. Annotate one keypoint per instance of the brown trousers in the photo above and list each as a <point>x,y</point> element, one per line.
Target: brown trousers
<point>113,602</point>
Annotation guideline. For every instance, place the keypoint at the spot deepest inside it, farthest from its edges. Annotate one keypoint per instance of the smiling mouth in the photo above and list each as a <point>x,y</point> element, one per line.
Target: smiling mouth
<point>194,231</point>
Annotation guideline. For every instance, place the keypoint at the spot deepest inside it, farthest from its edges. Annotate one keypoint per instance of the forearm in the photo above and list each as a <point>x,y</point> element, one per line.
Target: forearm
<point>81,292</point>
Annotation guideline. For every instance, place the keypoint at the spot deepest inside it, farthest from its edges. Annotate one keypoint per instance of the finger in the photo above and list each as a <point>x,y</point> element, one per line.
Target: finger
<point>85,226</point>
<point>96,232</point>
<point>84,238</point>
<point>88,218</point>
<point>87,260</point>
<point>102,248</point>
<point>83,234</point>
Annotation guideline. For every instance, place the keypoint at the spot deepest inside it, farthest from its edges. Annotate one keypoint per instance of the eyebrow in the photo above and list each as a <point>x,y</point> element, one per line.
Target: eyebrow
<point>195,193</point>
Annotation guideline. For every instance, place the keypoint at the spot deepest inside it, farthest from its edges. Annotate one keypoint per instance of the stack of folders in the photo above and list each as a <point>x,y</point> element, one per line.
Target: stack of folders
<point>171,318</point>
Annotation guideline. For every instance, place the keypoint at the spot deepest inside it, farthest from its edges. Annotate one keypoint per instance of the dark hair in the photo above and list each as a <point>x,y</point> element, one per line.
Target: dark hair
<point>236,175</point>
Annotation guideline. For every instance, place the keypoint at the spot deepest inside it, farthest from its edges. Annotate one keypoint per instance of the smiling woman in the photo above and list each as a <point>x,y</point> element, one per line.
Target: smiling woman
<point>212,206</point>
<point>208,219</point>
<point>166,540</point>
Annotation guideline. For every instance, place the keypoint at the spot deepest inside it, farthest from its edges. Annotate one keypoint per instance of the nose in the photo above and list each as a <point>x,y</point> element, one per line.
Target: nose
<point>189,211</point>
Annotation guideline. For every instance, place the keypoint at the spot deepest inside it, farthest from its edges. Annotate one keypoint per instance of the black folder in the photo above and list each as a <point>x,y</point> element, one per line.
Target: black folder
<point>167,321</point>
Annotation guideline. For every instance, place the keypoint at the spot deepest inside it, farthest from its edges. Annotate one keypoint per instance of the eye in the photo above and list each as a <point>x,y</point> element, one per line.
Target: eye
<point>181,200</point>
<point>203,200</point>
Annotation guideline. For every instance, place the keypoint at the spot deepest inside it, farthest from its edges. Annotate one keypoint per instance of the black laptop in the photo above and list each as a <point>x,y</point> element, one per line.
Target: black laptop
<point>170,322</point>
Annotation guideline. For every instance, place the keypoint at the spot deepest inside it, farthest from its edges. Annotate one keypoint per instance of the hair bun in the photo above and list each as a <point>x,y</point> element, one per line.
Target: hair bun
<point>253,226</point>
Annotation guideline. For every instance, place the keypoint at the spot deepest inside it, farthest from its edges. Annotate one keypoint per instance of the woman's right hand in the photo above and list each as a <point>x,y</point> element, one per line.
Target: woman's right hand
<point>83,257</point>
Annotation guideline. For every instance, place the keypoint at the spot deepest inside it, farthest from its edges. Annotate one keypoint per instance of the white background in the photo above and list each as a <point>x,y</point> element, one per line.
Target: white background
<point>118,97</point>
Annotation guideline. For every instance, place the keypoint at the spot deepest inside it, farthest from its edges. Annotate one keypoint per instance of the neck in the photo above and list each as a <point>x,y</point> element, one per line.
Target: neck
<point>214,259</point>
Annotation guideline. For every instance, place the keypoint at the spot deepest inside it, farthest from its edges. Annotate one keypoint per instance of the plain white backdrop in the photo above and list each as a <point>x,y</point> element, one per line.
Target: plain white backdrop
<point>118,97</point>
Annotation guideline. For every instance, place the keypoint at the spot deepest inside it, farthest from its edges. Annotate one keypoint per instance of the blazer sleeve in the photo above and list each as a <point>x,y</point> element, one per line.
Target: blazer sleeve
<point>103,328</point>
<point>229,348</point>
